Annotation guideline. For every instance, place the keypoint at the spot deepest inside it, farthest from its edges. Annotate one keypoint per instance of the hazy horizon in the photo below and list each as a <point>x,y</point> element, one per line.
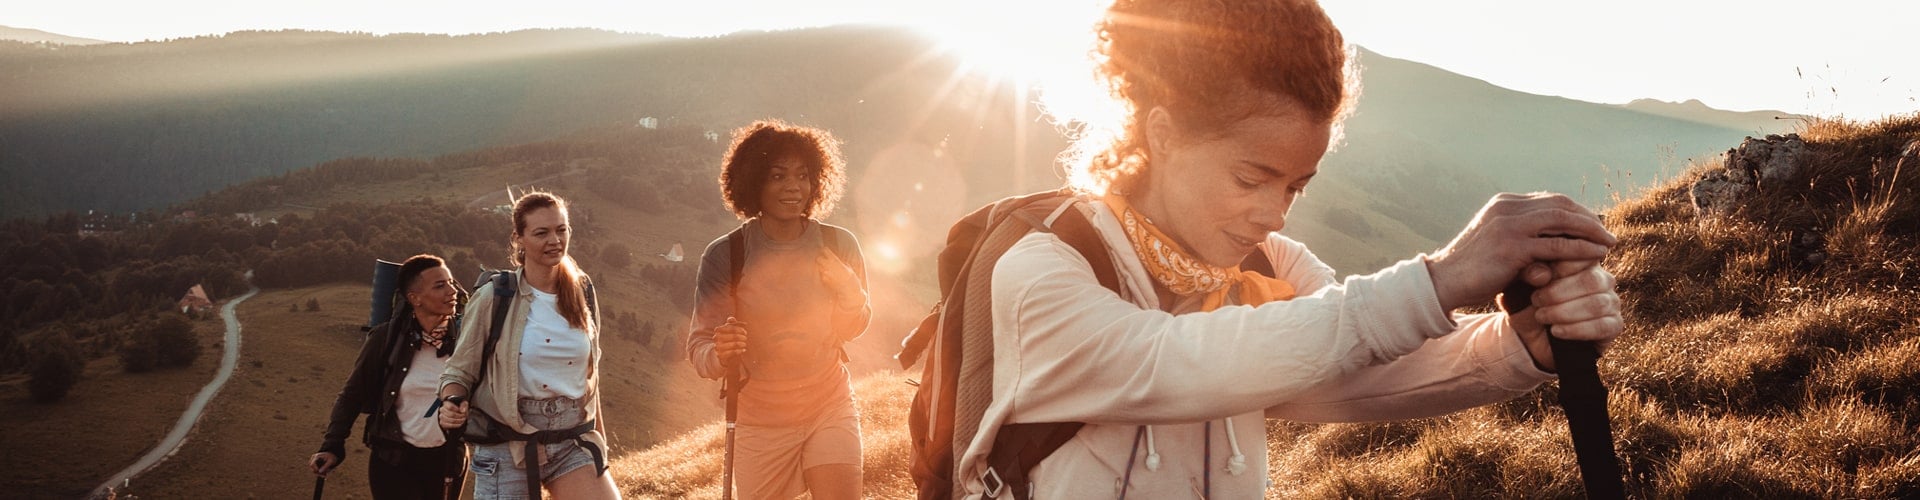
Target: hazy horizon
<point>1842,58</point>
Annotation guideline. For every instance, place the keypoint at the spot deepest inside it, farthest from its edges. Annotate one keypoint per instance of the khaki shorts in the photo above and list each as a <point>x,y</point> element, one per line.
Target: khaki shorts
<point>768,461</point>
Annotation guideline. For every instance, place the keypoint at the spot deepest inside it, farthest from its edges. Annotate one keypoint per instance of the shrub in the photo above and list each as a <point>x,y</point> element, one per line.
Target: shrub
<point>166,341</point>
<point>56,368</point>
<point>617,255</point>
<point>178,346</point>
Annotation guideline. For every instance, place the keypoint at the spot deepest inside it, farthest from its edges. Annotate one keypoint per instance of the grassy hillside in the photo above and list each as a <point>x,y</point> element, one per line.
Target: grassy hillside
<point>1747,370</point>
<point>269,418</point>
<point>64,449</point>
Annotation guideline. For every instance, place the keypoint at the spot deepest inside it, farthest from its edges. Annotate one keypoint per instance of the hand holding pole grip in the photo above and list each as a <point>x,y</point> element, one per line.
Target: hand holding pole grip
<point>1584,399</point>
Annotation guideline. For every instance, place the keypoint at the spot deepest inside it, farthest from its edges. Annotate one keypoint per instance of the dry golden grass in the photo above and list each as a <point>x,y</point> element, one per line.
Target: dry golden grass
<point>1747,370</point>
<point>691,465</point>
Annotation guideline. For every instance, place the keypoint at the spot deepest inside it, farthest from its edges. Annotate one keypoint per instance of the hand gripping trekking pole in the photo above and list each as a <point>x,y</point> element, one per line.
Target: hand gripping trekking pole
<point>451,468</point>
<point>319,483</point>
<point>1583,398</point>
<point>730,390</point>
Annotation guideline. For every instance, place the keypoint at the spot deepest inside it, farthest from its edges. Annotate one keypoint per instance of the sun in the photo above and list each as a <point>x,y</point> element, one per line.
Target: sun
<point>1032,43</point>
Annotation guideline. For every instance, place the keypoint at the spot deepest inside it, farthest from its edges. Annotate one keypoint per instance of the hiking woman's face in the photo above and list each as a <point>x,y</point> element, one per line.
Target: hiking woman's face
<point>434,292</point>
<point>788,190</point>
<point>1218,195</point>
<point>545,238</point>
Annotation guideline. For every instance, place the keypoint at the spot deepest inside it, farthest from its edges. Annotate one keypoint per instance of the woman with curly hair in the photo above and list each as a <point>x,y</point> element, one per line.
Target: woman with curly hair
<point>1173,371</point>
<point>781,314</point>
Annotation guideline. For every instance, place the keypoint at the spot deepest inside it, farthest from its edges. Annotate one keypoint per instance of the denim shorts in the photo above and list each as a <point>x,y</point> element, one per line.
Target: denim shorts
<point>494,474</point>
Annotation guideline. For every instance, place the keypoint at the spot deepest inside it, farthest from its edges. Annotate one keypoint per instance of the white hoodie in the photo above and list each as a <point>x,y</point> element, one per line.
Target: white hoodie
<point>1373,348</point>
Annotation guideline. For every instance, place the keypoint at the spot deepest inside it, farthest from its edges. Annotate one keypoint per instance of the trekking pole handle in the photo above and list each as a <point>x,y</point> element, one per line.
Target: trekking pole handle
<point>1584,399</point>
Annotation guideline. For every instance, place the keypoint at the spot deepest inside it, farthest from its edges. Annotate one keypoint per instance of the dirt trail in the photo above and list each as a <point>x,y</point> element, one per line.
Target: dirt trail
<point>178,435</point>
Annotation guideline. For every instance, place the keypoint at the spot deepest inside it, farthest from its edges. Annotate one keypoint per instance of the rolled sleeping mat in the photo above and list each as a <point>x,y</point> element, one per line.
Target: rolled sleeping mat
<point>386,280</point>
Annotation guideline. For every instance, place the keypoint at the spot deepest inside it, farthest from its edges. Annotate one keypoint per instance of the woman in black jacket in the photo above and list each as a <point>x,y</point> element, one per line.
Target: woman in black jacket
<point>395,380</point>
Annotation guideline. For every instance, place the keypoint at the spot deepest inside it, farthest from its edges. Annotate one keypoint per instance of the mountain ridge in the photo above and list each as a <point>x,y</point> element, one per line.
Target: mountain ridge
<point>30,35</point>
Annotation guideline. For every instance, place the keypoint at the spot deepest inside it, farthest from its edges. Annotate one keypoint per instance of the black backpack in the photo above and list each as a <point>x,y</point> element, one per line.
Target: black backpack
<point>957,378</point>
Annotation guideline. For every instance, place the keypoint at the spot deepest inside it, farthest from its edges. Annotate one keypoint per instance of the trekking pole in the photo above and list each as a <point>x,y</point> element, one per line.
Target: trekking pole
<point>451,465</point>
<point>319,482</point>
<point>455,437</point>
<point>730,390</point>
<point>1583,398</point>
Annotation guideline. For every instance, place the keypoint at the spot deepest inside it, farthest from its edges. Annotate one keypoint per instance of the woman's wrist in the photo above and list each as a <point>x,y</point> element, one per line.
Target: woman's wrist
<point>1539,349</point>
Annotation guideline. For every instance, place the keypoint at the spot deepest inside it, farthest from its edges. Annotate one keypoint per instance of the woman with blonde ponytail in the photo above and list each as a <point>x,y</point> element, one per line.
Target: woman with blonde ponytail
<point>539,389</point>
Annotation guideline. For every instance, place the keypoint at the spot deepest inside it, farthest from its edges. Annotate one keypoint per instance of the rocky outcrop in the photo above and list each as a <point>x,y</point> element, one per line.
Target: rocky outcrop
<point>1757,164</point>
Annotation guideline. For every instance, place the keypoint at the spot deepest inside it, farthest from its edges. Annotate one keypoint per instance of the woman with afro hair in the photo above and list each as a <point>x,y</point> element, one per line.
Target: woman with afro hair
<point>781,315</point>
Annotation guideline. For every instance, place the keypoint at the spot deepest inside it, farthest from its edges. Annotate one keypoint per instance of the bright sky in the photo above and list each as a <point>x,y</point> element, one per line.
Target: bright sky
<point>1851,57</point>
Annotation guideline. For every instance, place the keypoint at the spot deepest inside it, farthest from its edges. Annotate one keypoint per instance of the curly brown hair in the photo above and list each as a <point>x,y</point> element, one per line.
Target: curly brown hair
<point>1210,63</point>
<point>743,172</point>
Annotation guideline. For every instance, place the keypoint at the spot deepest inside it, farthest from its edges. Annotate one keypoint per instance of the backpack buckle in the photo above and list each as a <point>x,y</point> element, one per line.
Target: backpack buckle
<point>995,486</point>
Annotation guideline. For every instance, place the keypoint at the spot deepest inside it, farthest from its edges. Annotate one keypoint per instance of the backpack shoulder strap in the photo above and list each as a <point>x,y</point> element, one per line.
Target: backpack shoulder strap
<point>841,242</point>
<point>830,236</point>
<point>1018,448</point>
<point>1073,227</point>
<point>593,300</point>
<point>505,290</point>
<point>737,261</point>
<point>737,254</point>
<point>1058,215</point>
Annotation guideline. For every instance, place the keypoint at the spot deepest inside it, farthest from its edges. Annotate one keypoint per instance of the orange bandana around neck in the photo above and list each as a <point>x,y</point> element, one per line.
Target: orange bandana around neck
<point>1183,274</point>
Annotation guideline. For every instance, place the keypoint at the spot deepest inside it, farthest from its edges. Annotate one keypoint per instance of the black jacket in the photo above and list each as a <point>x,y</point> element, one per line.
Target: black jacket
<point>374,387</point>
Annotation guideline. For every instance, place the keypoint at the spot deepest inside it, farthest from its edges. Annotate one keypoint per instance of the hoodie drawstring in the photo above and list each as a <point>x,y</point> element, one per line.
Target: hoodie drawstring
<point>1153,455</point>
<point>1236,464</point>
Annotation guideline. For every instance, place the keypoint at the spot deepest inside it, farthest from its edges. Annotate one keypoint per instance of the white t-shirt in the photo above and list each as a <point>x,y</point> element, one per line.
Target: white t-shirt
<point>417,392</point>
<point>553,354</point>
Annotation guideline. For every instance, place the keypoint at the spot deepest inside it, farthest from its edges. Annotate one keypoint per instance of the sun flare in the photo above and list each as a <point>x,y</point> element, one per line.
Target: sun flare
<point>1034,45</point>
